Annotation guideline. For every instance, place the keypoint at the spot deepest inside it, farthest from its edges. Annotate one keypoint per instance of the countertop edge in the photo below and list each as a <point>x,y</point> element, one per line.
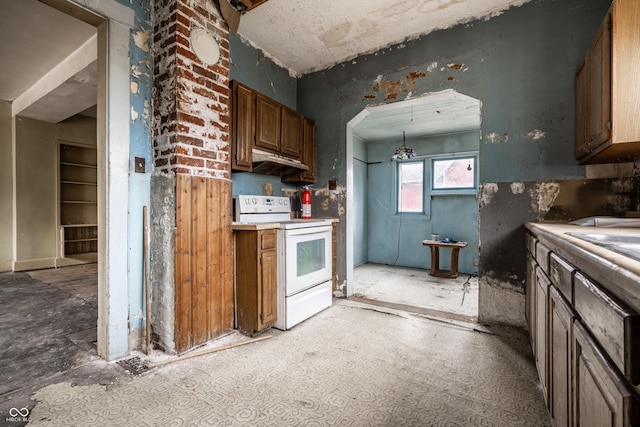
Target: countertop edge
<point>236,226</point>
<point>617,273</point>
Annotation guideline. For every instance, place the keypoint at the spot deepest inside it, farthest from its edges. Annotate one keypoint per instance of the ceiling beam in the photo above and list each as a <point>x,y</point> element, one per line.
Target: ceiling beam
<point>77,61</point>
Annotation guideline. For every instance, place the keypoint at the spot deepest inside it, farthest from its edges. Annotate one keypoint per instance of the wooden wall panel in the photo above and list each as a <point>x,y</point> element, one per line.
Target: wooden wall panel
<point>204,260</point>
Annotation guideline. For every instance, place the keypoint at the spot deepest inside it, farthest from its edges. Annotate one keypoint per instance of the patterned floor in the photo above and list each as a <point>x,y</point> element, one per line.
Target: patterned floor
<point>351,365</point>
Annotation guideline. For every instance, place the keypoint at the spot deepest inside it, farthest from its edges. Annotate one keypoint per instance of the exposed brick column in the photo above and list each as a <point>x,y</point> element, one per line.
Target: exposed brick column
<point>191,99</point>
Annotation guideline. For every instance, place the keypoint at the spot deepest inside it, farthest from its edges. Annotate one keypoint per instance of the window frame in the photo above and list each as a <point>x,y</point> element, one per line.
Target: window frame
<point>454,190</point>
<point>399,164</point>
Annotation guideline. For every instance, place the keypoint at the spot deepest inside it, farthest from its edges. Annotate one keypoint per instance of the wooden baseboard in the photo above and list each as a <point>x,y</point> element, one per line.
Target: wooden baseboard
<point>34,264</point>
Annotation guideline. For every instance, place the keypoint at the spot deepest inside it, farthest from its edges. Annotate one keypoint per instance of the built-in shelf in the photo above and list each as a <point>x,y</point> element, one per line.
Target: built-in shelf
<point>82,202</point>
<point>78,165</point>
<point>78,183</point>
<point>78,200</point>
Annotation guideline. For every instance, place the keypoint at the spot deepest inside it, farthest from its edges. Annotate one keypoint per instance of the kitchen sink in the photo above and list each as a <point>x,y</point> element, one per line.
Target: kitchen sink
<point>623,244</point>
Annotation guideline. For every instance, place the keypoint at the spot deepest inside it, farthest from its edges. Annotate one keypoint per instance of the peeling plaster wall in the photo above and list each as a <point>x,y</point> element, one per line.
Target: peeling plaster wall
<point>141,85</point>
<point>506,206</point>
<point>521,65</point>
<point>162,230</point>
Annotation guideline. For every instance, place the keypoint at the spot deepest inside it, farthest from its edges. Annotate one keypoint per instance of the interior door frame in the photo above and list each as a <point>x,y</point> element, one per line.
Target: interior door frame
<point>114,22</point>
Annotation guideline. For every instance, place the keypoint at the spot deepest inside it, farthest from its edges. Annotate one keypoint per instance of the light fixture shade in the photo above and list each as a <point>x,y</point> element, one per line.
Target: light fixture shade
<point>404,152</point>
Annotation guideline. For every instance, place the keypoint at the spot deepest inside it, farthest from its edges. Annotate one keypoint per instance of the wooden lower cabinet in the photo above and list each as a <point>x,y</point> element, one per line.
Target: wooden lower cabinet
<point>600,397</point>
<point>256,280</point>
<point>542,316</point>
<point>561,317</point>
<point>530,299</point>
<point>584,344</point>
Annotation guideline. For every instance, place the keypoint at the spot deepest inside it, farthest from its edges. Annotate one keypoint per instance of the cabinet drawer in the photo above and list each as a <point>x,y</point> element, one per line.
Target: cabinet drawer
<point>613,325</point>
<point>561,274</point>
<point>268,240</point>
<point>542,257</point>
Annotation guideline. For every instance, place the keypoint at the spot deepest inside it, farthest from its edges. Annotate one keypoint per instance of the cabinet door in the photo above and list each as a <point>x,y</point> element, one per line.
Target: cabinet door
<point>600,396</point>
<point>268,121</point>
<point>530,298</point>
<point>583,138</point>
<point>267,302</point>
<point>599,89</point>
<point>561,318</point>
<point>309,153</point>
<point>542,316</point>
<point>243,124</point>
<point>291,141</point>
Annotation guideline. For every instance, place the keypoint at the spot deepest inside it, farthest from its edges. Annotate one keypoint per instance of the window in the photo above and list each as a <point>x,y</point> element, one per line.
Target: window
<point>454,173</point>
<point>411,187</point>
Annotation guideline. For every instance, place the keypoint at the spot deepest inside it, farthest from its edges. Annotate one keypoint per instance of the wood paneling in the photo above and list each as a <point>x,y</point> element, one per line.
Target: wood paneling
<point>204,260</point>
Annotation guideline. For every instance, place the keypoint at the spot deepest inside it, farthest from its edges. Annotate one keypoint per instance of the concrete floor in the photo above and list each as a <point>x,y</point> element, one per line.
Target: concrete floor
<point>352,364</point>
<point>415,288</point>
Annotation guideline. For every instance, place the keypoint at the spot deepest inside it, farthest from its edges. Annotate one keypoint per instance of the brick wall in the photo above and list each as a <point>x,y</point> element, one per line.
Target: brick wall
<point>191,99</point>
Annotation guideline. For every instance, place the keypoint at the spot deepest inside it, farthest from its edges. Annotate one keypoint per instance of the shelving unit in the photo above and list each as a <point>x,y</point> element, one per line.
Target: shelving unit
<point>78,200</point>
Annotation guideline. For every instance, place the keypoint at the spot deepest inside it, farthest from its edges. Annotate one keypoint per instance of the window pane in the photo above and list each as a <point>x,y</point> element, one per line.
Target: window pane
<point>410,186</point>
<point>454,173</point>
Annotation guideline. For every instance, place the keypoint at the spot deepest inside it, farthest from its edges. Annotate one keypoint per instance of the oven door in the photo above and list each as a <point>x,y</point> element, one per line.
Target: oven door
<point>307,255</point>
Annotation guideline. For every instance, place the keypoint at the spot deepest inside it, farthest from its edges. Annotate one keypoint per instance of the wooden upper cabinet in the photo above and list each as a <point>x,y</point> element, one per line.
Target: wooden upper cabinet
<point>291,137</point>
<point>582,142</point>
<point>608,91</point>
<point>599,86</point>
<point>308,154</point>
<point>243,127</point>
<point>264,124</point>
<point>268,122</point>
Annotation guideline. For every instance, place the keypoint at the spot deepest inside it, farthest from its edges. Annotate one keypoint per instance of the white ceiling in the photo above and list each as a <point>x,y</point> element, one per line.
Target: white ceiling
<point>432,114</point>
<point>45,70</point>
<point>307,35</point>
<point>48,72</point>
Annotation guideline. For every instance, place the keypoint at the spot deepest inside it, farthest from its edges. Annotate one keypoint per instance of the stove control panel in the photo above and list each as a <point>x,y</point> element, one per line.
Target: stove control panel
<point>262,204</point>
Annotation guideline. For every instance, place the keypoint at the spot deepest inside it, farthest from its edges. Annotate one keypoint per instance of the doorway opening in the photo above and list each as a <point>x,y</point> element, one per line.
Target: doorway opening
<point>396,204</point>
<point>67,103</point>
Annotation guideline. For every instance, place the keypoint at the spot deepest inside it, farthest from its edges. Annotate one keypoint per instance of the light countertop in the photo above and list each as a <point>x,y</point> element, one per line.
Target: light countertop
<point>618,273</point>
<point>245,226</point>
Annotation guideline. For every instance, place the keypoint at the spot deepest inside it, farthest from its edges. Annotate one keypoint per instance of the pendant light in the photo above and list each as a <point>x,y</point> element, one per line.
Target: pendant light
<point>404,152</point>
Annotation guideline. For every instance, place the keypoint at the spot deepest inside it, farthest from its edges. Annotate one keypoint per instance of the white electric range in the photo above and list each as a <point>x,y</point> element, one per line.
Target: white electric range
<point>304,257</point>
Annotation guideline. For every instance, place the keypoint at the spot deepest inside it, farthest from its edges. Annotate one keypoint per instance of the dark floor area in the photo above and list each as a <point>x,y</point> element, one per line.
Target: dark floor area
<point>48,335</point>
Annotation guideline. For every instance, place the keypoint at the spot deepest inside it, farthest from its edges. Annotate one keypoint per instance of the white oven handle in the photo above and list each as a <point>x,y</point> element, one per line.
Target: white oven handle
<point>308,230</point>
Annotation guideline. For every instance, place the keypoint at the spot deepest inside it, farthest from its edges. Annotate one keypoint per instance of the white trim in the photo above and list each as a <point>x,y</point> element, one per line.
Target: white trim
<point>113,186</point>
<point>34,264</point>
<point>110,9</point>
<point>349,198</point>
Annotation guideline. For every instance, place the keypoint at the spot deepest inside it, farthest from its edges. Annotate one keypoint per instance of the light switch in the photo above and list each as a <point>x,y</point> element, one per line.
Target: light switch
<point>140,165</point>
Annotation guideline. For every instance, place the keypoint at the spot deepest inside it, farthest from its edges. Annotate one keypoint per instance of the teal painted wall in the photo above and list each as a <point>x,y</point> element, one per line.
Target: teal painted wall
<point>250,67</point>
<point>520,64</point>
<point>396,239</point>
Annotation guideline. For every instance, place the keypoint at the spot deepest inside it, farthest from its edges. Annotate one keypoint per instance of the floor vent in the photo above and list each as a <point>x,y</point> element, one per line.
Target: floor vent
<point>135,365</point>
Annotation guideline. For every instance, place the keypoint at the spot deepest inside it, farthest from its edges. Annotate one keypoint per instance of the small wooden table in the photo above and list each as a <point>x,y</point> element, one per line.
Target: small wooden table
<point>435,246</point>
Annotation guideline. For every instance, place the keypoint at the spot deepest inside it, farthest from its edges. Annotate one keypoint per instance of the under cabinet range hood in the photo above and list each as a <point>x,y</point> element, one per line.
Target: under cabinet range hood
<point>274,164</point>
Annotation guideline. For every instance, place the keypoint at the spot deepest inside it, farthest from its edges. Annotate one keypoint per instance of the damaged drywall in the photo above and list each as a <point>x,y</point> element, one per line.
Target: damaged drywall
<point>162,267</point>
